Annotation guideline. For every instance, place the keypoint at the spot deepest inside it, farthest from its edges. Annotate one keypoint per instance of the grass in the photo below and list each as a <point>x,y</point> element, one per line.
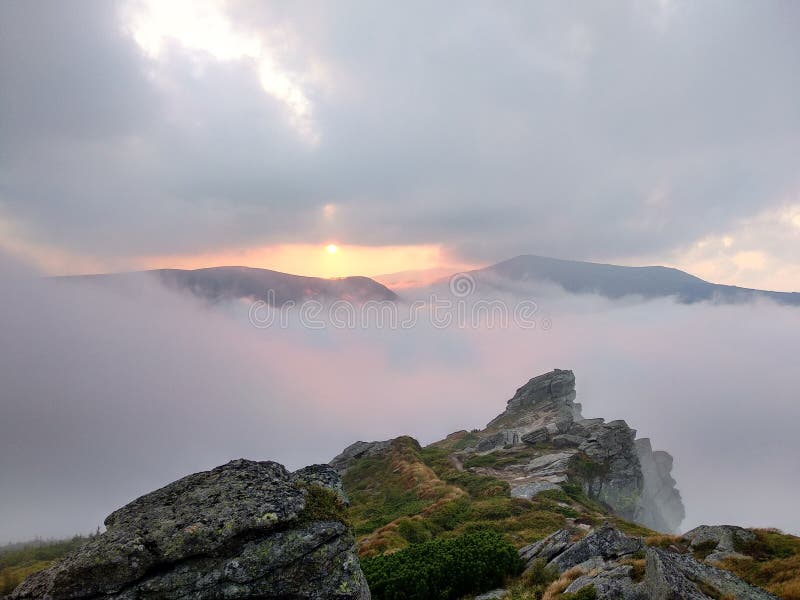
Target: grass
<point>17,561</point>
<point>774,563</point>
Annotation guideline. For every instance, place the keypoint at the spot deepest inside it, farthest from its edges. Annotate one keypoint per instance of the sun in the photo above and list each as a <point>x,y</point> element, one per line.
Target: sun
<point>331,248</point>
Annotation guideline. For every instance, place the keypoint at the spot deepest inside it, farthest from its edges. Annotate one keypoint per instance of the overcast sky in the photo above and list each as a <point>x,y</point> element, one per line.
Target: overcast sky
<point>139,134</point>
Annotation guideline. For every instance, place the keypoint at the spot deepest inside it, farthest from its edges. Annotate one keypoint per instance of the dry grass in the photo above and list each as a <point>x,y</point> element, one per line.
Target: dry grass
<point>780,576</point>
<point>555,589</point>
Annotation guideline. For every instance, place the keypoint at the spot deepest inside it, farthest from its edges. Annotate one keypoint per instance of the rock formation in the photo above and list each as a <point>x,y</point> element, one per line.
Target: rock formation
<point>621,567</point>
<point>614,468</point>
<point>244,530</point>
<point>545,442</point>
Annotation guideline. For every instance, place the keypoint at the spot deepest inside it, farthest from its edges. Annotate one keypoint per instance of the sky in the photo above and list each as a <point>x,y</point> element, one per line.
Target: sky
<point>141,134</point>
<point>364,138</point>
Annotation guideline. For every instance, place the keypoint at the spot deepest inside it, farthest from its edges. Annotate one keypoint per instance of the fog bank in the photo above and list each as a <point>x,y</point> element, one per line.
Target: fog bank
<point>110,393</point>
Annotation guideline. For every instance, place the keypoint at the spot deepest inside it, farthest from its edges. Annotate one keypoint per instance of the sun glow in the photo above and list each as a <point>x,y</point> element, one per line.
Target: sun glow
<point>331,260</point>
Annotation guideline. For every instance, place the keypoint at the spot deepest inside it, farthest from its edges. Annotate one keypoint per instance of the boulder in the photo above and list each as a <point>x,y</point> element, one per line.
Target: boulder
<point>606,543</point>
<point>529,490</point>
<point>725,540</point>
<point>546,548</point>
<point>550,464</point>
<point>614,583</point>
<point>673,576</point>
<point>537,436</point>
<point>358,450</point>
<point>241,531</point>
<point>605,560</point>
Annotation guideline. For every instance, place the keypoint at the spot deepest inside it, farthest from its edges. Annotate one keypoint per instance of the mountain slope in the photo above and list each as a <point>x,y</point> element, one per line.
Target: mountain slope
<point>579,498</point>
<point>215,284</point>
<point>613,281</point>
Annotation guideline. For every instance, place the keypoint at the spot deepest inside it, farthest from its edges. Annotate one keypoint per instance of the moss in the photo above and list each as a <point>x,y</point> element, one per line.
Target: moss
<point>583,468</point>
<point>414,531</point>
<point>585,593</point>
<point>702,550</point>
<point>775,563</point>
<point>323,504</point>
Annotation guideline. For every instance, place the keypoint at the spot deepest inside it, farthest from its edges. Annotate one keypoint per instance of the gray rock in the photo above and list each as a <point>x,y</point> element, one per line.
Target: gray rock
<point>550,464</point>
<point>537,436</point>
<point>493,595</point>
<point>236,532</point>
<point>725,538</point>
<point>673,576</point>
<point>660,505</point>
<point>546,548</point>
<point>358,450</point>
<point>606,542</point>
<point>529,490</point>
<point>567,440</point>
<point>501,439</point>
<point>613,583</point>
<point>624,474</point>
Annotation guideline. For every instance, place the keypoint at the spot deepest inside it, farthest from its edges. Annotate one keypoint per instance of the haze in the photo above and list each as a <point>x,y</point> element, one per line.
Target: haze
<point>402,140</point>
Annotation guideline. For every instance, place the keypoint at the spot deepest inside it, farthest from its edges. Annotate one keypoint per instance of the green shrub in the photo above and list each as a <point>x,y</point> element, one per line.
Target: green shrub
<point>443,569</point>
<point>449,515</point>
<point>413,530</point>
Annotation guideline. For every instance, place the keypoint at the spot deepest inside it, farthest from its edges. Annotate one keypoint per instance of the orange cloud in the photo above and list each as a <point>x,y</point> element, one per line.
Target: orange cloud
<point>315,260</point>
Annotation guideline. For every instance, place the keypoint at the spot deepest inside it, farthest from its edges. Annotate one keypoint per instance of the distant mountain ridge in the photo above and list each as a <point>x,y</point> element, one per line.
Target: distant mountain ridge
<point>515,275</point>
<point>614,281</point>
<point>216,284</point>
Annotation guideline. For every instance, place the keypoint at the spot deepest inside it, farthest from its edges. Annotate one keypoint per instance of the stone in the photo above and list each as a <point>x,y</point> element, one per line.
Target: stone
<point>660,506</point>
<point>243,530</point>
<point>529,490</point>
<point>604,559</point>
<point>550,464</point>
<point>613,583</point>
<point>546,548</point>
<point>566,440</point>
<point>673,576</point>
<point>537,436</point>
<point>355,451</point>
<point>615,469</point>
<point>605,542</point>
<point>501,439</point>
<point>725,538</point>
<point>493,595</point>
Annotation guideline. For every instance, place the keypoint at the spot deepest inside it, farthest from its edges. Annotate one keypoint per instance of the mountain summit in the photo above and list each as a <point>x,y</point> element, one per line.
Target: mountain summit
<point>614,281</point>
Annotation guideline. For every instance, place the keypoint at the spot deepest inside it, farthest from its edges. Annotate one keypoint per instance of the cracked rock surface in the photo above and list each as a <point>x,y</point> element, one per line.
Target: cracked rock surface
<point>244,530</point>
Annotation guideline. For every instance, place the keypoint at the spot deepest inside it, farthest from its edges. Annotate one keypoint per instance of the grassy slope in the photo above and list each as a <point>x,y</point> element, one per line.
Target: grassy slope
<point>415,494</point>
<point>17,561</point>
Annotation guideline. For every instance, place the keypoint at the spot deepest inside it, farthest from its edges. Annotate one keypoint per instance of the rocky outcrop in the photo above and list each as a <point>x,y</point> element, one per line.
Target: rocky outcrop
<point>244,530</point>
<point>660,506</point>
<point>619,566</point>
<point>613,467</point>
<point>724,541</point>
<point>356,451</point>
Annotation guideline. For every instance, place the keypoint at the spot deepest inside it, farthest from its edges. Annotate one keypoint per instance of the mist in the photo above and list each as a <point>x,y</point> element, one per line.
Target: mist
<point>108,393</point>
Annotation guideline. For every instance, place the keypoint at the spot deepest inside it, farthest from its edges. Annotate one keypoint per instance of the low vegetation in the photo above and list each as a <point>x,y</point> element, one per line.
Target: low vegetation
<point>773,563</point>
<point>17,561</point>
<point>443,569</point>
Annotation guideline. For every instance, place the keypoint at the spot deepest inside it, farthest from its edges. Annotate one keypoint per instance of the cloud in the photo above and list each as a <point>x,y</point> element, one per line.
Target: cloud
<point>111,392</point>
<point>493,130</point>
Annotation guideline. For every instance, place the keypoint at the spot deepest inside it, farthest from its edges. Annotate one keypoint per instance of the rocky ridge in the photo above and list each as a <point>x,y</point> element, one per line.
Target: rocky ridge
<point>618,566</point>
<point>244,530</point>
<point>613,466</point>
<point>541,442</point>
